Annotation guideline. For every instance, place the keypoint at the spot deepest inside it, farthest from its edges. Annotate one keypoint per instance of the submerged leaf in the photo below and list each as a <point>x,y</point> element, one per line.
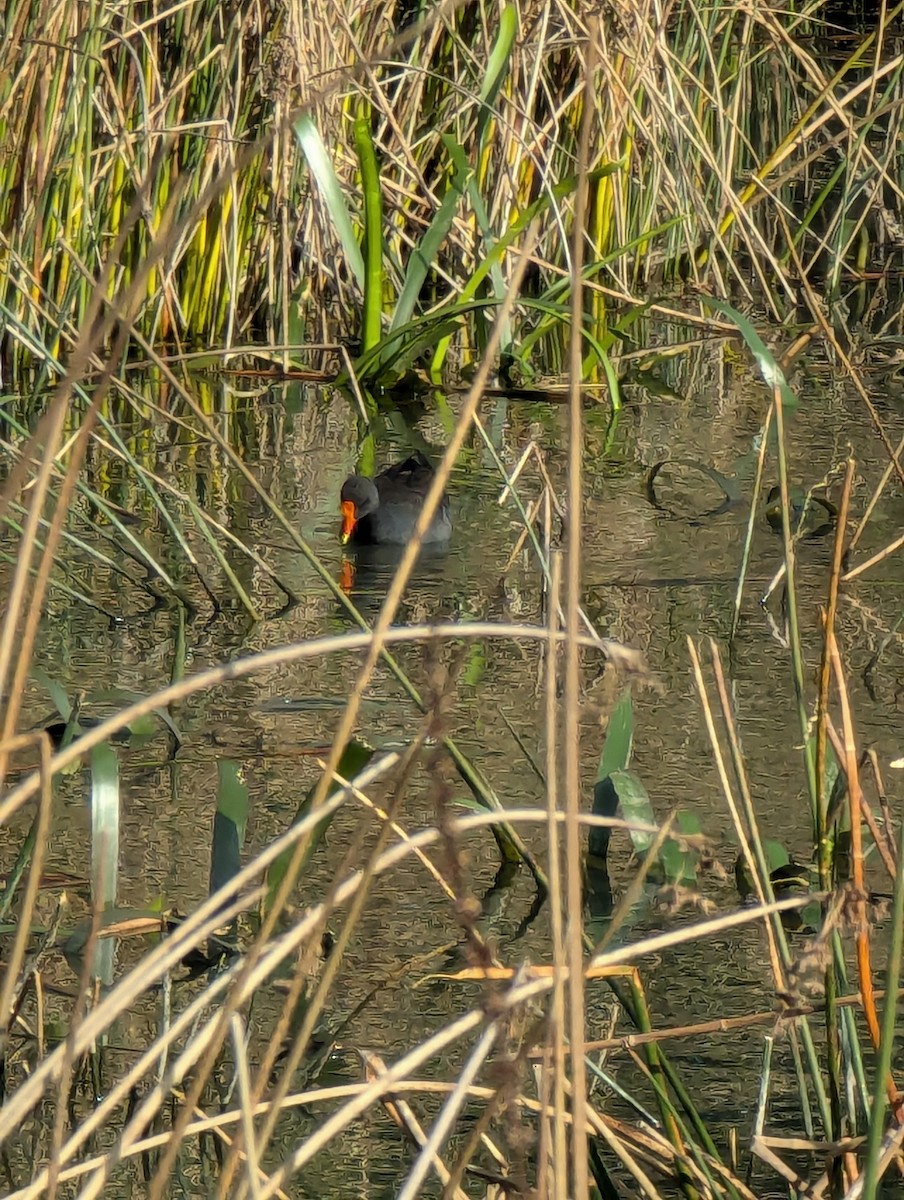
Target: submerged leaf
<point>229,823</point>
<point>355,758</point>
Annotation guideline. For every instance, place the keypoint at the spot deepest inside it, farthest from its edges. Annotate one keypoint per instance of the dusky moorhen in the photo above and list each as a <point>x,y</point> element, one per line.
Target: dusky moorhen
<point>384,510</point>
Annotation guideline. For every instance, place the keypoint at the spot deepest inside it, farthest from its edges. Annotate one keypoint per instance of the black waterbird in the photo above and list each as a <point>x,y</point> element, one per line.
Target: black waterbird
<point>384,510</point>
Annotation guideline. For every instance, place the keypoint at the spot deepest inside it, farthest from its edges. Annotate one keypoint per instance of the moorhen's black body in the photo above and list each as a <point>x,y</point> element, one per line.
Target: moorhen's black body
<point>383,511</point>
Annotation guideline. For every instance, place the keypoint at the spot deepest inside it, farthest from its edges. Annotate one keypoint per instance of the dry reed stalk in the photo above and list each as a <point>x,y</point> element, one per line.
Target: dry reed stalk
<point>746,825</point>
<point>215,911</point>
<point>240,668</point>
<point>211,914</point>
<point>11,982</point>
<point>894,461</point>
<point>553,1159</point>
<point>722,1024</point>
<point>573,899</point>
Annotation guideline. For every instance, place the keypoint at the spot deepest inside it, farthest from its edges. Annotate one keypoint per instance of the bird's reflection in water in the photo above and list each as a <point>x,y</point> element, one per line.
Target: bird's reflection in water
<point>368,572</point>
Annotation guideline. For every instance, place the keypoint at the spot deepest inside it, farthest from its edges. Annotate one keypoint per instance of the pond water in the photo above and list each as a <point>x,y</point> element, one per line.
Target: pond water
<point>651,579</point>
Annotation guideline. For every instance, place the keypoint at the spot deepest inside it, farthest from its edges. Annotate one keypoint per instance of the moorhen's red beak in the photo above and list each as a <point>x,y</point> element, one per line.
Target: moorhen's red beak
<point>349,520</point>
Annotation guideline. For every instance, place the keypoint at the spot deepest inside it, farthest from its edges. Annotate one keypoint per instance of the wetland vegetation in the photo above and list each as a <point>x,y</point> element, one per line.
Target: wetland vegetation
<point>558,858</point>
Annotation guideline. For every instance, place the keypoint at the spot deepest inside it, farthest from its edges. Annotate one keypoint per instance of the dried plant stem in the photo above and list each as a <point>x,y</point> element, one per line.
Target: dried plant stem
<point>745,826</point>
<point>553,1161</point>
<point>16,954</point>
<point>574,943</point>
<point>217,909</point>
<point>318,1000</point>
<point>852,773</point>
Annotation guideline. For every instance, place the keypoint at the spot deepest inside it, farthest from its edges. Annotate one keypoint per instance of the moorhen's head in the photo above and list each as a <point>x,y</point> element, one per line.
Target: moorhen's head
<point>359,498</point>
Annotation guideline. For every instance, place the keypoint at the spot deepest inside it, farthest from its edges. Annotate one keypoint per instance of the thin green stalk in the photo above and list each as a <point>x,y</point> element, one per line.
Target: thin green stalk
<point>873,1169</point>
<point>373,234</point>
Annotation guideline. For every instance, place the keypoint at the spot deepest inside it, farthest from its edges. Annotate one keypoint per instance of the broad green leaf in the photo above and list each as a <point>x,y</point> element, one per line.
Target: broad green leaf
<point>635,807</point>
<point>333,193</point>
<point>616,753</point>
<point>229,822</point>
<point>777,861</point>
<point>769,368</point>
<point>494,253</point>
<point>458,156</point>
<point>811,917</point>
<point>680,862</point>
<point>56,691</point>
<point>425,253</point>
<point>775,853</point>
<point>497,68</point>
<point>232,794</point>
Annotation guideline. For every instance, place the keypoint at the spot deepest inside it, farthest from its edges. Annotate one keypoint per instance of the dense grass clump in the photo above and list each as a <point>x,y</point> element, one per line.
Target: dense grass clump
<point>155,148</point>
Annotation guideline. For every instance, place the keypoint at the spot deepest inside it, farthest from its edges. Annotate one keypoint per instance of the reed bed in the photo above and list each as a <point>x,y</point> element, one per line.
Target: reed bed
<point>157,147</point>
<point>158,191</point>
